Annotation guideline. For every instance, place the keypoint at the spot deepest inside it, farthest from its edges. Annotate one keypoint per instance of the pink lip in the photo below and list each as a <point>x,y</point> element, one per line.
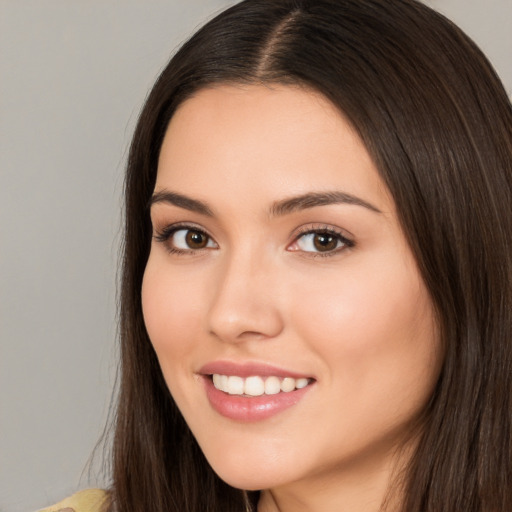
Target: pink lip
<point>249,409</point>
<point>248,370</point>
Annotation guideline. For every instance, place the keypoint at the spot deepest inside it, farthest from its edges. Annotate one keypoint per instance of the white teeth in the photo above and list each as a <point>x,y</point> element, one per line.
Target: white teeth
<point>235,385</point>
<point>254,386</point>
<point>216,381</point>
<point>288,384</point>
<point>221,382</point>
<point>301,383</point>
<point>272,386</point>
<point>224,383</point>
<point>257,386</point>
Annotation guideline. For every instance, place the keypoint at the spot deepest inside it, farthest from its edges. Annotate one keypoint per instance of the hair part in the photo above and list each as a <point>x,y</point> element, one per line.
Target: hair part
<point>438,124</point>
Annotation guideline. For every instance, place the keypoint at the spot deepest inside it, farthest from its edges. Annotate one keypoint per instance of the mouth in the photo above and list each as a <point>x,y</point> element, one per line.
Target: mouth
<point>252,392</point>
<point>255,385</point>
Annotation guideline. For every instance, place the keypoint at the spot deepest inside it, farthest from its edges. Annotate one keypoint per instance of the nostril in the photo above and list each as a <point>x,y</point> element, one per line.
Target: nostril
<point>252,334</point>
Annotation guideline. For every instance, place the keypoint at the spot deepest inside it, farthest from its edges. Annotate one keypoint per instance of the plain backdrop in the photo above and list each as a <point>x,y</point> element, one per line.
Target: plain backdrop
<point>73,76</point>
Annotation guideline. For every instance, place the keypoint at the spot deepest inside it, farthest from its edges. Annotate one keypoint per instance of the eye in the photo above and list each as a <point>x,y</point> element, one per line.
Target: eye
<point>185,239</point>
<point>325,242</point>
<point>191,239</point>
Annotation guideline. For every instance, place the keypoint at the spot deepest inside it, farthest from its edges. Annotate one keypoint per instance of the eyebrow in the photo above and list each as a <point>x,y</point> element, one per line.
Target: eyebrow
<point>313,199</point>
<point>278,209</point>
<point>181,201</point>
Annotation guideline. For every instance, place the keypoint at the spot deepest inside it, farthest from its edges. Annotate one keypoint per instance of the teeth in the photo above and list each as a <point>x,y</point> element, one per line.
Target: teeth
<point>272,386</point>
<point>288,384</point>
<point>235,385</point>
<point>301,383</point>
<point>254,386</point>
<point>257,386</point>
<point>221,382</point>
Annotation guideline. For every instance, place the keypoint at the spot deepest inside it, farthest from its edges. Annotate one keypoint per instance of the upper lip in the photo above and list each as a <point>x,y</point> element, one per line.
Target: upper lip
<point>248,369</point>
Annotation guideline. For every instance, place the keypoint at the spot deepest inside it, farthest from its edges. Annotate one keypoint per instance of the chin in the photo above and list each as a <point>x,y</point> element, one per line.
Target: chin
<point>251,473</point>
<point>249,480</point>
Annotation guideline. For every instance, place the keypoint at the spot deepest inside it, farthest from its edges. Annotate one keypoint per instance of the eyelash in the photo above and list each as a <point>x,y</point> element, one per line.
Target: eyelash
<point>166,233</point>
<point>324,230</point>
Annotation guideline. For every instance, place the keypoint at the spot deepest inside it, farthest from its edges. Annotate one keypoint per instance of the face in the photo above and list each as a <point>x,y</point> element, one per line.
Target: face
<point>284,305</point>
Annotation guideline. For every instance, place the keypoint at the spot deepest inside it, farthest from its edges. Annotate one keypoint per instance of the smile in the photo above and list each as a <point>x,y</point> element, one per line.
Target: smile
<point>257,386</point>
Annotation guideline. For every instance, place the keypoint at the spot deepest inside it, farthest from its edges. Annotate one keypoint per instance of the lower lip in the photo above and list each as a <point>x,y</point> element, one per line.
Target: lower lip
<point>251,409</point>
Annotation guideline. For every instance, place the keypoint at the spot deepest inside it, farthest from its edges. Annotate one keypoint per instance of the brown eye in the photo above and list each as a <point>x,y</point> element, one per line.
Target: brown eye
<point>187,239</point>
<point>321,241</point>
<point>324,242</point>
<point>196,239</point>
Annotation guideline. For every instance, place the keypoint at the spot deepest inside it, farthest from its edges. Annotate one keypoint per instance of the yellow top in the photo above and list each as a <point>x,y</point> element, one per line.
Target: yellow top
<point>90,500</point>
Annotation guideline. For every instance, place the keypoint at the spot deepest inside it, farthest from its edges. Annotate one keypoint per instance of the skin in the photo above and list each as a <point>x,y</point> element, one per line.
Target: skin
<point>357,319</point>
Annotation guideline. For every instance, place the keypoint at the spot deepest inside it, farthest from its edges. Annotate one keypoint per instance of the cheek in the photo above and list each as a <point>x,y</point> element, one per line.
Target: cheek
<point>171,312</point>
<point>375,330</point>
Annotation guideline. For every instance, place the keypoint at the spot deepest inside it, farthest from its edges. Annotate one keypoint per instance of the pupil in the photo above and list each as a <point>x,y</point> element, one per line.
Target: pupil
<point>325,242</point>
<point>196,240</point>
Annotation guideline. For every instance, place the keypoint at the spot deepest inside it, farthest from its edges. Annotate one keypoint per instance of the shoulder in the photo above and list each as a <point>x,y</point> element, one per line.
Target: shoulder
<point>90,500</point>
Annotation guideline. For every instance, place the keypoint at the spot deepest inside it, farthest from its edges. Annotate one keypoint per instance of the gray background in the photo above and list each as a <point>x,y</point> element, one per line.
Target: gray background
<point>73,75</point>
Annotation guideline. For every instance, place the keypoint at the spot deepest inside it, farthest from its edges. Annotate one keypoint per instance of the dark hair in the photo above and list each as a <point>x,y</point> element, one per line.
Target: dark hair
<point>438,124</point>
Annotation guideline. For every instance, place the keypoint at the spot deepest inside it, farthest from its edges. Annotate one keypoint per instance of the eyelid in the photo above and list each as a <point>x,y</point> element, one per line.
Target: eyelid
<point>162,235</point>
<point>164,232</point>
<point>342,235</point>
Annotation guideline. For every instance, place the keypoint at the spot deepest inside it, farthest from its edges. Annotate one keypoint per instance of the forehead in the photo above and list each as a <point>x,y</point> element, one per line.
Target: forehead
<point>278,140</point>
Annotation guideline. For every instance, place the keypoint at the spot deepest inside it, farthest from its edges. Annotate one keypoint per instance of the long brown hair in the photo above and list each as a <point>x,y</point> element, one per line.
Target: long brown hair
<point>438,124</point>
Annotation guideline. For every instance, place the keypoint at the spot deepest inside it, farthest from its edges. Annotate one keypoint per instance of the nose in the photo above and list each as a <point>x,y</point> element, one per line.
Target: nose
<point>245,301</point>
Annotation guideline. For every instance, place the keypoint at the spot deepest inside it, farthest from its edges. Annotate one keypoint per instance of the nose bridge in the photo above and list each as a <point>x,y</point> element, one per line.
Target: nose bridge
<point>244,302</point>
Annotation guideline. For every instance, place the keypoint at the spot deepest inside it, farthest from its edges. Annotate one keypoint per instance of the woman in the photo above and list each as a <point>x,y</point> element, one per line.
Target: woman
<point>317,284</point>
